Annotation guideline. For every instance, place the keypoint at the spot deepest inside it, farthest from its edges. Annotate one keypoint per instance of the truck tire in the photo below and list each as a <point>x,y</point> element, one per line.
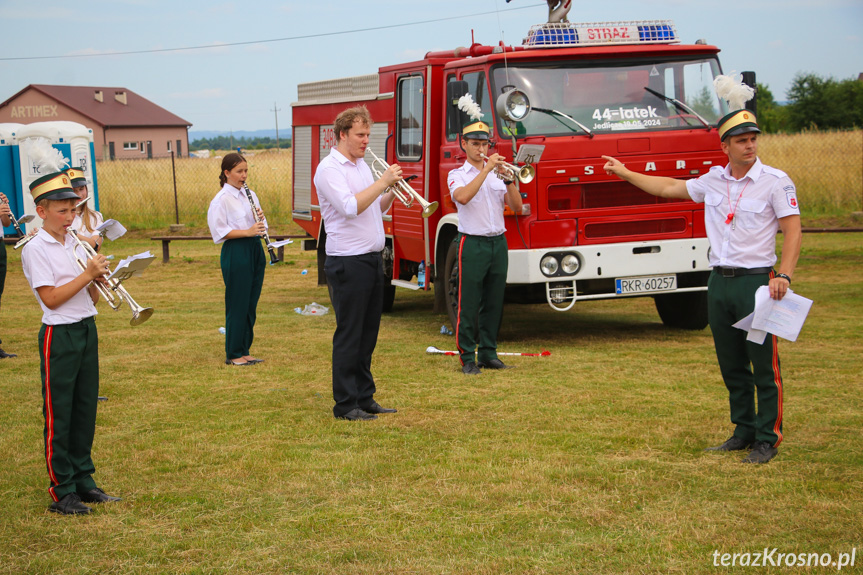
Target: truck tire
<point>683,310</point>
<point>450,273</point>
<point>389,297</point>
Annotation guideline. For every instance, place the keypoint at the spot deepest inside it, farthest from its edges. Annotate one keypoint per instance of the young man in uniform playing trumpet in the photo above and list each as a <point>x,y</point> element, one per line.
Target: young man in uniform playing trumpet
<point>68,346</point>
<point>482,250</point>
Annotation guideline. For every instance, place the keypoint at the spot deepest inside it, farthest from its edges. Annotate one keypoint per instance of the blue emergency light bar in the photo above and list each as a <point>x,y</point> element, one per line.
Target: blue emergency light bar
<point>568,35</point>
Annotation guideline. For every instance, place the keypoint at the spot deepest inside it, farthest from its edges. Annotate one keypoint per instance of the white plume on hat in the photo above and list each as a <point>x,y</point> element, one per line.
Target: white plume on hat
<point>732,89</point>
<point>471,108</point>
<point>45,158</point>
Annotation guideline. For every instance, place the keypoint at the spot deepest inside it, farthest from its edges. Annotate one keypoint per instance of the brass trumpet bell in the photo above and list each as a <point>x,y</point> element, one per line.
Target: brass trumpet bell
<point>406,194</point>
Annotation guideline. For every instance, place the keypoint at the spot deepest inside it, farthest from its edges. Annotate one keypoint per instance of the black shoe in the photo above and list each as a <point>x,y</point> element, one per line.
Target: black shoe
<point>70,504</point>
<point>242,364</point>
<point>376,408</point>
<point>762,452</point>
<point>493,364</point>
<point>470,368</point>
<point>4,355</point>
<point>96,495</point>
<point>733,444</point>
<point>357,415</point>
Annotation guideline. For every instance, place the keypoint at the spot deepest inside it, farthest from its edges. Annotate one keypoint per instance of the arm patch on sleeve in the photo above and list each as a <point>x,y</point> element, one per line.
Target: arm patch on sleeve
<point>791,197</point>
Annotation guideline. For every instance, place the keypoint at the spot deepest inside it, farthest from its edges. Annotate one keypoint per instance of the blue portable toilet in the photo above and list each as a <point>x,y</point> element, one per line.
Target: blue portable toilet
<point>73,140</point>
<point>8,182</point>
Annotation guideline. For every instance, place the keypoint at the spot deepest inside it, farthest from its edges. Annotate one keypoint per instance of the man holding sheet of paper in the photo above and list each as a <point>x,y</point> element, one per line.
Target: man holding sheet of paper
<point>745,203</point>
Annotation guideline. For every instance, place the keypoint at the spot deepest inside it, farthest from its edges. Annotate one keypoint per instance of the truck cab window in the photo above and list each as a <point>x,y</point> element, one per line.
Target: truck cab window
<point>409,133</point>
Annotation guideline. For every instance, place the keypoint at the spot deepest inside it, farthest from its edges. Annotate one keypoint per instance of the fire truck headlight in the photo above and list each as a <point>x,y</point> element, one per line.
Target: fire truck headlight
<point>513,105</point>
<point>549,265</point>
<point>570,264</point>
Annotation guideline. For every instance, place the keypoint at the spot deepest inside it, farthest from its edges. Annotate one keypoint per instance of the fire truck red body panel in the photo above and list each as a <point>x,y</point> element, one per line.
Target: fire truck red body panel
<point>615,230</point>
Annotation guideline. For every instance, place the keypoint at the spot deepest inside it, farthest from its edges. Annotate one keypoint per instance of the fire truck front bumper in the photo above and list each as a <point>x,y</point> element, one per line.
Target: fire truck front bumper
<point>574,273</point>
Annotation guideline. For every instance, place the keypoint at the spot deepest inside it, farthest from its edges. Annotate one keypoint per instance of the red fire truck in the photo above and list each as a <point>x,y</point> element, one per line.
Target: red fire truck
<point>570,94</point>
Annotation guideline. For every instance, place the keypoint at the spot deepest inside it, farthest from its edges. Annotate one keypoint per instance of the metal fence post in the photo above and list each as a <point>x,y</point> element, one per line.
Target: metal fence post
<point>176,204</point>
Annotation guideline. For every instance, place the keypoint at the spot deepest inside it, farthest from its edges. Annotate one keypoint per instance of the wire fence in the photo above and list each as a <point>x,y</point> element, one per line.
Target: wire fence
<point>154,193</point>
<point>827,168</point>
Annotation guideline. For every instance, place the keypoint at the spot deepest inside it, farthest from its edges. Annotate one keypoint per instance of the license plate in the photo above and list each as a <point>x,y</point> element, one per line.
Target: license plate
<point>645,284</point>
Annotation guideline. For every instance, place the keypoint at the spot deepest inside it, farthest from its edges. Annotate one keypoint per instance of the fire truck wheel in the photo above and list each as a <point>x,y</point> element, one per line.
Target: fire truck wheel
<point>389,297</point>
<point>683,310</point>
<point>450,273</point>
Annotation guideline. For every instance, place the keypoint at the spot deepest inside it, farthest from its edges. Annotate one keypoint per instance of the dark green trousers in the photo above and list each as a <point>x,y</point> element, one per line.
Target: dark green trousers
<point>482,267</point>
<point>70,392</point>
<point>746,367</point>
<point>243,265</point>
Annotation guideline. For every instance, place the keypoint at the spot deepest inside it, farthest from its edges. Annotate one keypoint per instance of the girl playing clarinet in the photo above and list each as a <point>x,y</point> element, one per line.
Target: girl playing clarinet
<point>234,225</point>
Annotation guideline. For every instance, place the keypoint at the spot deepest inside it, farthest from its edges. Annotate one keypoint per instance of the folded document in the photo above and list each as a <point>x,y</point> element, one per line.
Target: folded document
<point>783,318</point>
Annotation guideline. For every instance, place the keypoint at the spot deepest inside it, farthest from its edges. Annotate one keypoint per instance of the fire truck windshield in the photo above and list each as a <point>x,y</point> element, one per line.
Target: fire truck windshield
<point>579,97</point>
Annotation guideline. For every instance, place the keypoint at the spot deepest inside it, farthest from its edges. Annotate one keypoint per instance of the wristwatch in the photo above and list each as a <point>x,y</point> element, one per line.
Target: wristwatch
<point>785,277</point>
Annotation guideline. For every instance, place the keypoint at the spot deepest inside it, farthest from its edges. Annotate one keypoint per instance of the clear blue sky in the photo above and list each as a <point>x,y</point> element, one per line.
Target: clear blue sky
<point>236,87</point>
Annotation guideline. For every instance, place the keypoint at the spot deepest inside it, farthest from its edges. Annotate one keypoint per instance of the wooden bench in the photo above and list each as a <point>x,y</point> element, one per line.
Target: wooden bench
<point>166,241</point>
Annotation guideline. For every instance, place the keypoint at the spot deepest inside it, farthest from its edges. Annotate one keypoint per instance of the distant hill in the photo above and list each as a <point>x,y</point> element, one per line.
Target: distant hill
<point>249,135</point>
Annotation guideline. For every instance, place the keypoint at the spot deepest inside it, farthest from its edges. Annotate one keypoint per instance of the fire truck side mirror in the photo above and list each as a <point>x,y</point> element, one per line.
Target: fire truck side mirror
<point>454,119</point>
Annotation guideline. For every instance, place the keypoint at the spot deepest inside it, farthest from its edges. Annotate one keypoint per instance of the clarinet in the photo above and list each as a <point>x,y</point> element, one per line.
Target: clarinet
<point>15,223</point>
<point>273,258</point>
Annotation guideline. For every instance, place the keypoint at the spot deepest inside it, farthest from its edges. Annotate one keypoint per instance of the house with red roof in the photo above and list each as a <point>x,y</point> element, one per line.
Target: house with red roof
<point>125,125</point>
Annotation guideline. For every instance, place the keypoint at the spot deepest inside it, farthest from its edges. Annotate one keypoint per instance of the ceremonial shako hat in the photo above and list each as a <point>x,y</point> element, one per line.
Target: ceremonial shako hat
<point>476,131</point>
<point>56,186</point>
<point>76,175</point>
<point>736,123</point>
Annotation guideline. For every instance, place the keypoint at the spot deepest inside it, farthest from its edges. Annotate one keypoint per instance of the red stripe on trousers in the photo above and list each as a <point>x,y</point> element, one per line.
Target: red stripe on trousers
<point>777,379</point>
<point>458,309</point>
<point>49,410</point>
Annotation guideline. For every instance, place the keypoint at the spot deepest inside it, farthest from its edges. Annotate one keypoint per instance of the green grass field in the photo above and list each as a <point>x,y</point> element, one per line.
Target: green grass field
<point>586,461</point>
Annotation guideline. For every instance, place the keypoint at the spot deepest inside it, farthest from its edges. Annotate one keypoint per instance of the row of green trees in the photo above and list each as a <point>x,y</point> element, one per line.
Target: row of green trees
<point>813,103</point>
<point>232,143</point>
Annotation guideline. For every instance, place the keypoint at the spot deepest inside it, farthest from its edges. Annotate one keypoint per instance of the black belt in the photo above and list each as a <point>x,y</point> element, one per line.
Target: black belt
<point>734,272</point>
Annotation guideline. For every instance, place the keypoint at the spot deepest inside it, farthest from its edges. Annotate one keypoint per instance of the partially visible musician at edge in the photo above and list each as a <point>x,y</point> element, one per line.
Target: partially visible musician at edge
<point>86,219</point>
<point>483,257</point>
<point>234,225</point>
<point>5,220</point>
<point>352,204</point>
<point>68,346</point>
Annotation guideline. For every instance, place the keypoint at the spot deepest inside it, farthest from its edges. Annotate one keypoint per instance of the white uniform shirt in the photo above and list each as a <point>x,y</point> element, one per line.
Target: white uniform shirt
<point>230,210</point>
<point>338,180</point>
<point>483,214</point>
<point>96,220</point>
<point>47,262</point>
<point>757,200</point>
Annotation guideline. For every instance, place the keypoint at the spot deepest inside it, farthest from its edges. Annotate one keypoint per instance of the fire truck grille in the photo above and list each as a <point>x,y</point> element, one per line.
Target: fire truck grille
<point>563,197</point>
<point>672,225</point>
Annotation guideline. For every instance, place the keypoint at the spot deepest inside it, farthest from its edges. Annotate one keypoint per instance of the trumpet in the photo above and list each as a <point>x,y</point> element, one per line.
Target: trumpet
<point>524,174</point>
<point>112,286</point>
<point>273,258</point>
<point>401,189</point>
